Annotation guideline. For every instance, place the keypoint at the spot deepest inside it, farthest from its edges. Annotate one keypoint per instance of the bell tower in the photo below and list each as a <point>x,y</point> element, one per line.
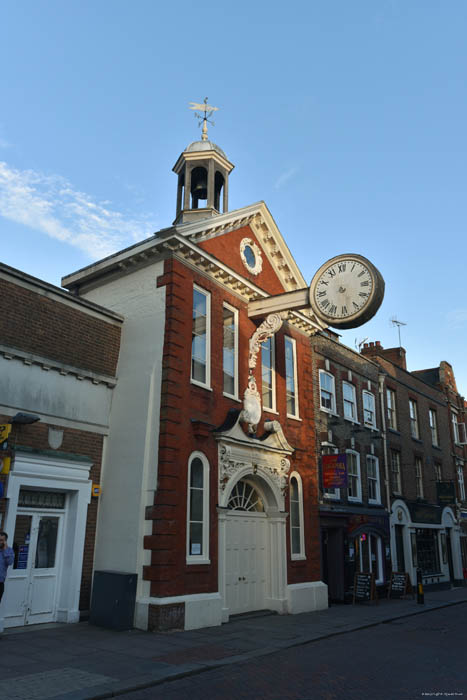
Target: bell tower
<point>203,176</point>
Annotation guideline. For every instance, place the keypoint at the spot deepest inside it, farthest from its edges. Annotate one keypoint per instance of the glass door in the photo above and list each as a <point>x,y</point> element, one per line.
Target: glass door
<point>31,586</point>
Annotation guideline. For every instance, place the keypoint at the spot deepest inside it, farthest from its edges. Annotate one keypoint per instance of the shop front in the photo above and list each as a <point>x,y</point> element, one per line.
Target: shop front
<point>426,537</point>
<point>352,541</point>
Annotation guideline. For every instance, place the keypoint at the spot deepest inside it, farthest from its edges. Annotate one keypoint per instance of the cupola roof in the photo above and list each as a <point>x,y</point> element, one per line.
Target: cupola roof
<point>197,146</point>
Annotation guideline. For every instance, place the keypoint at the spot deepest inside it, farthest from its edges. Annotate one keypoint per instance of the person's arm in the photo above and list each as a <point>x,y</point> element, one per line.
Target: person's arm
<point>8,556</point>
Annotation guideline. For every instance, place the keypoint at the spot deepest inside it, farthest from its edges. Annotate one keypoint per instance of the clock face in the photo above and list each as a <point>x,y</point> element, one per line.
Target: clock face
<point>346,291</point>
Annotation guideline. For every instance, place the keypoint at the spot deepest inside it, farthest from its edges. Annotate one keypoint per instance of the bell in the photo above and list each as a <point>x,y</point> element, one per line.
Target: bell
<point>199,184</point>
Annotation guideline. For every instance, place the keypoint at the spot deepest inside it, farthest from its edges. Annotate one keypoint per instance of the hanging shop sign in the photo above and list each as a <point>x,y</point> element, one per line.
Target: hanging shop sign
<point>334,471</point>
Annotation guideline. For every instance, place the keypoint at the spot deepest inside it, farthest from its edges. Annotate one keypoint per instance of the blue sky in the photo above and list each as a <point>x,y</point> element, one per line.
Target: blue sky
<point>347,118</point>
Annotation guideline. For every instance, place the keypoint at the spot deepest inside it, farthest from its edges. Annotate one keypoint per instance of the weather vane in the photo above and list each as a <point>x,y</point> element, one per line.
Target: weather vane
<point>208,112</point>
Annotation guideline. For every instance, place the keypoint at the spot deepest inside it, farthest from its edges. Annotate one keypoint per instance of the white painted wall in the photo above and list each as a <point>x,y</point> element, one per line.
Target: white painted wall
<point>57,398</point>
<point>129,476</point>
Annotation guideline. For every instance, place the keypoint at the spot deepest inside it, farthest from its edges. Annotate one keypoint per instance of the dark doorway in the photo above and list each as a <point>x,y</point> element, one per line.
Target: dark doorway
<point>332,550</point>
<point>400,548</point>
<point>449,550</point>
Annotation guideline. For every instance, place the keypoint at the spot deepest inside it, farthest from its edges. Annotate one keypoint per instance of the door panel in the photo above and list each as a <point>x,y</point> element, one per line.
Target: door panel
<point>31,587</point>
<point>246,554</point>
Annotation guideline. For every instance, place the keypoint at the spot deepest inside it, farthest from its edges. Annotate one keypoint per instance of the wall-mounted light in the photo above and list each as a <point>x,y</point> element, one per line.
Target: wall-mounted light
<point>24,419</point>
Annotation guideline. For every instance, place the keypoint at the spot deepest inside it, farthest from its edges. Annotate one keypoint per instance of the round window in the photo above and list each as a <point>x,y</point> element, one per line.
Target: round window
<point>251,256</point>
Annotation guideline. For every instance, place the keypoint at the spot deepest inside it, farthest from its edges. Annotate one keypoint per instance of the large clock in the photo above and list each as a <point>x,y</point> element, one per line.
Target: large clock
<point>346,291</point>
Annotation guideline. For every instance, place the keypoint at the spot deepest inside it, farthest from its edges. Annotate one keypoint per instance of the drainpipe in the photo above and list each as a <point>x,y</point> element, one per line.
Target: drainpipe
<point>385,444</point>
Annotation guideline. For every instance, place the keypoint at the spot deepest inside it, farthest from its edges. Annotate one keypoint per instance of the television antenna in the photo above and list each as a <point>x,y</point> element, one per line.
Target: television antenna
<point>359,343</point>
<point>394,321</point>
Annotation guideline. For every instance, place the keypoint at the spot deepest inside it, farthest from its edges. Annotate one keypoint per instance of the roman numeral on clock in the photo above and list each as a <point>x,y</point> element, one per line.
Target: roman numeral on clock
<point>344,311</point>
<point>321,294</point>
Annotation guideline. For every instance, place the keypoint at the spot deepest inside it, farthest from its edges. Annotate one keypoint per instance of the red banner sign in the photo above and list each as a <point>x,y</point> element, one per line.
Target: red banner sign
<point>335,471</point>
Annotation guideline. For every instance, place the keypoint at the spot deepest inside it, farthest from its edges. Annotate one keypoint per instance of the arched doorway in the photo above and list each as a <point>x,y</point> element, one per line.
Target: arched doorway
<point>246,549</point>
<point>252,573</point>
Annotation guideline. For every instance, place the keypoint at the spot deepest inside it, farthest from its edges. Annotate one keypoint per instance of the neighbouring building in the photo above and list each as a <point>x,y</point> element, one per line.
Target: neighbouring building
<point>58,359</point>
<point>353,519</point>
<point>210,486</point>
<point>443,378</point>
<point>425,530</point>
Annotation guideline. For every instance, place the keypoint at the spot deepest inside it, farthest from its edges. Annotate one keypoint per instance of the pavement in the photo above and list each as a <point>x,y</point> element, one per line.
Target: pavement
<point>83,662</point>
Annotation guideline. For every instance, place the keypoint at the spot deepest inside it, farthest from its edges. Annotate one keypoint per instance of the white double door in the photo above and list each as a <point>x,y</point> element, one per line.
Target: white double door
<point>32,584</point>
<point>246,561</point>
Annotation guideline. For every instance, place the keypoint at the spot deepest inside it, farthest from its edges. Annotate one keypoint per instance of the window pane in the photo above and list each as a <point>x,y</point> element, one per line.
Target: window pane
<point>196,505</point>
<point>229,352</point>
<point>199,338</point>
<point>295,540</point>
<point>196,538</point>
<point>46,543</point>
<point>267,373</point>
<point>290,376</point>
<point>196,479</point>
<point>21,541</point>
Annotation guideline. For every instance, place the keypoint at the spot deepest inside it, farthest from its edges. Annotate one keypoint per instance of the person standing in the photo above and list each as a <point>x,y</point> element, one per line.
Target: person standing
<point>7,558</point>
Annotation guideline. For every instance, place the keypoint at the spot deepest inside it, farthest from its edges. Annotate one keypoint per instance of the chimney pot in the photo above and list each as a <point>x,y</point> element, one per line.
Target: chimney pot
<point>378,343</point>
<point>372,345</point>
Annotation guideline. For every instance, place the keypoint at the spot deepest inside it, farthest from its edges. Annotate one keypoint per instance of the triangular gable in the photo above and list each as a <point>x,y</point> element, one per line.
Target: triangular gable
<point>280,271</point>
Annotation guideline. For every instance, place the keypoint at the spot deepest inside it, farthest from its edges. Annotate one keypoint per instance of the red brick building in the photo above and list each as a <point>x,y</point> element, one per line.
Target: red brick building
<point>354,519</point>
<point>58,359</point>
<point>422,468</point>
<point>210,477</point>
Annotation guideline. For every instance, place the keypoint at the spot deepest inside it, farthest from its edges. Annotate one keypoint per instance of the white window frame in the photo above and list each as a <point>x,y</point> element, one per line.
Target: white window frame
<point>335,494</point>
<point>207,383</point>
<point>455,427</point>
<point>396,483</point>
<point>391,408</point>
<point>379,554</point>
<point>413,419</point>
<point>332,410</point>
<point>288,339</point>
<point>358,476</point>
<point>460,481</point>
<point>272,408</point>
<point>375,460</point>
<point>301,553</point>
<point>419,490</point>
<point>353,402</point>
<point>202,558</point>
<point>368,395</point>
<point>433,426</point>
<point>234,311</point>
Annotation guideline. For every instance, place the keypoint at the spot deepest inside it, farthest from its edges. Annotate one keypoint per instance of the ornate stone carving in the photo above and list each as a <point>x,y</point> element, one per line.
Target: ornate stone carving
<point>270,325</point>
<point>251,413</point>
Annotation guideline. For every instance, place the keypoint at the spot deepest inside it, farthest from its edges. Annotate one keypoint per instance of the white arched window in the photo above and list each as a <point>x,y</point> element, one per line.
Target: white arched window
<point>297,537</point>
<point>197,531</point>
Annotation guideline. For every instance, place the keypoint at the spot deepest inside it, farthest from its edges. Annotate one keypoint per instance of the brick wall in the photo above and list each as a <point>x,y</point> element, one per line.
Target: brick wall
<point>186,408</point>
<point>408,386</point>
<point>45,326</point>
<point>364,377</point>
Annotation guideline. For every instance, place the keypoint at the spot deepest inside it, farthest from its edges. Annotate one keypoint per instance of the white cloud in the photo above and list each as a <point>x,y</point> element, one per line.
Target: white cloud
<point>457,318</point>
<point>49,204</point>
<point>285,177</point>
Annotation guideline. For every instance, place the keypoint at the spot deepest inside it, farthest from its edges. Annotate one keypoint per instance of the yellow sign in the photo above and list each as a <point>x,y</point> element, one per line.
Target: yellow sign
<point>5,430</point>
<point>5,463</point>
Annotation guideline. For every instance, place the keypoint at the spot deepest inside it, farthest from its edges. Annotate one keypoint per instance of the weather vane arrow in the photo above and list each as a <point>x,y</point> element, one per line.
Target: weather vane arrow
<point>206,117</point>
